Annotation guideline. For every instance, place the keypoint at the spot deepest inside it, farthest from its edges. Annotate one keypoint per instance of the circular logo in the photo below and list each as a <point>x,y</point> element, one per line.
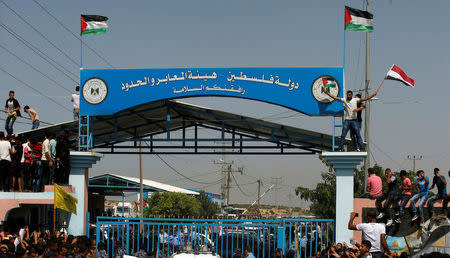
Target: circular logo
<point>322,84</point>
<point>95,91</point>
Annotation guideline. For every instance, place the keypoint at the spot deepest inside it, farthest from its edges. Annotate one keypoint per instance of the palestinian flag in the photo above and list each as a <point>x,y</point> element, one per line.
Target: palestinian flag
<point>358,20</point>
<point>395,73</point>
<point>328,83</point>
<point>93,24</point>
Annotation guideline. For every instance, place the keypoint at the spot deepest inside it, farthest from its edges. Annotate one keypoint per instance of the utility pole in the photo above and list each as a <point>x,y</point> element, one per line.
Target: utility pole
<point>228,184</point>
<point>222,161</point>
<point>259,191</point>
<point>414,158</point>
<point>227,169</point>
<point>141,183</point>
<point>275,182</point>
<point>367,104</point>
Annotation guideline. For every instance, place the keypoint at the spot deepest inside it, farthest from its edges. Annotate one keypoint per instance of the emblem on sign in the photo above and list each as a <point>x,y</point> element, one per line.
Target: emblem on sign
<point>322,84</point>
<point>95,91</point>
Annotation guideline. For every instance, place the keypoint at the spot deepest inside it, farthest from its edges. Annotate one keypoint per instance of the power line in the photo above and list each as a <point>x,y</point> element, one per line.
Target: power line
<point>239,187</point>
<point>204,174</point>
<point>37,31</point>
<point>31,87</point>
<point>34,68</point>
<point>39,52</point>
<point>47,123</point>
<point>179,173</point>
<point>73,34</point>
<point>387,155</point>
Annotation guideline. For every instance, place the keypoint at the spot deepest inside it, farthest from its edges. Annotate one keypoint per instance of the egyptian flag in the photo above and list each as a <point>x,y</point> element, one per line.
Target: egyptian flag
<point>327,83</point>
<point>395,73</point>
<point>93,24</point>
<point>358,20</point>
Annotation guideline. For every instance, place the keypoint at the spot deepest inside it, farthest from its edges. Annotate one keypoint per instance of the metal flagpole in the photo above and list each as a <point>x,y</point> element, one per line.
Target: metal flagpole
<point>367,114</point>
<point>81,51</point>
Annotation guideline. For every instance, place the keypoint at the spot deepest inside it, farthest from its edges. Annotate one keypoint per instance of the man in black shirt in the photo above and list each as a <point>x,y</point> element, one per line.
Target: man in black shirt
<point>359,110</point>
<point>12,108</point>
<point>390,196</point>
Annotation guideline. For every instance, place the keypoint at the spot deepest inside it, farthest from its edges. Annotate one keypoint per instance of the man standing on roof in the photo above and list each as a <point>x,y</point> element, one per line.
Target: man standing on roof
<point>360,108</point>
<point>33,116</point>
<point>76,103</point>
<point>12,108</point>
<point>351,117</point>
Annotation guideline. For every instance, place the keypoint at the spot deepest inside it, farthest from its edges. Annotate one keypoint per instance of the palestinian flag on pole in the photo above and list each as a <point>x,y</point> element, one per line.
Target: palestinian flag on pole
<point>93,24</point>
<point>327,83</point>
<point>395,73</point>
<point>358,20</point>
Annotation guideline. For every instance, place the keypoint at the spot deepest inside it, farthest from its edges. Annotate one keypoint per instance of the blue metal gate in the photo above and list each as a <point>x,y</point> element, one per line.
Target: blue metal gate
<point>164,236</point>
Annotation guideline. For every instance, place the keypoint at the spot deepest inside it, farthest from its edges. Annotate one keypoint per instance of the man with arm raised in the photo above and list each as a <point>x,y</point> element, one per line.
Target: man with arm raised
<point>351,117</point>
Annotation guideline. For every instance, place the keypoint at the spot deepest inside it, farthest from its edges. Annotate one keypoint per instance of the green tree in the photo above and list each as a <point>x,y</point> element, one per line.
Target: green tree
<point>323,197</point>
<point>172,205</point>
<point>359,183</point>
<point>208,208</point>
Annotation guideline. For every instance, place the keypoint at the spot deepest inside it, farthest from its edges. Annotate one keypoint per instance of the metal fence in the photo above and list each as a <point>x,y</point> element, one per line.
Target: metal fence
<point>164,236</point>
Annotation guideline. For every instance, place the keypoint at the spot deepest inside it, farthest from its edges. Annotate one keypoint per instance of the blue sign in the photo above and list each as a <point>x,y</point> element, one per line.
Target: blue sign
<point>108,91</point>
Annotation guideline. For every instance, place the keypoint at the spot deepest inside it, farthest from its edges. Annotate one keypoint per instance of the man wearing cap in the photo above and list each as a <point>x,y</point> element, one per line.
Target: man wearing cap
<point>4,251</point>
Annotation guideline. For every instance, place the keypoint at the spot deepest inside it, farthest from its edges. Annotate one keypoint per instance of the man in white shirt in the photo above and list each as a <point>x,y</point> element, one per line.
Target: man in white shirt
<point>76,103</point>
<point>351,117</point>
<point>373,232</point>
<point>5,162</point>
<point>46,160</point>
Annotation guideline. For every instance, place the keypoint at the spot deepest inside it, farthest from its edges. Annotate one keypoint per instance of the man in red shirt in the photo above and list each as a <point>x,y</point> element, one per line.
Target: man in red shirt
<point>37,165</point>
<point>374,185</point>
<point>404,196</point>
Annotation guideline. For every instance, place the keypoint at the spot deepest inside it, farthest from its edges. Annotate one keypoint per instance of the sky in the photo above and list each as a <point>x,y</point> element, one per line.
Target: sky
<point>412,34</point>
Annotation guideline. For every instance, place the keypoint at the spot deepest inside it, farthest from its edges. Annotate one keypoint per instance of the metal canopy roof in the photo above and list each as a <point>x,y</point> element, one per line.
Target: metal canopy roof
<point>112,184</point>
<point>173,127</point>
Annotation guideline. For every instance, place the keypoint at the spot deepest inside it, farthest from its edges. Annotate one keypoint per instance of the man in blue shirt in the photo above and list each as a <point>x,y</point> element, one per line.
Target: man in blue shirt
<point>422,182</point>
<point>446,200</point>
<point>248,252</point>
<point>441,184</point>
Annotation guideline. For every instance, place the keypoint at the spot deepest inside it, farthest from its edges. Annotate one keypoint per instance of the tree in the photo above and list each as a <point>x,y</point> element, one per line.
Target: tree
<point>169,204</point>
<point>208,208</point>
<point>323,197</point>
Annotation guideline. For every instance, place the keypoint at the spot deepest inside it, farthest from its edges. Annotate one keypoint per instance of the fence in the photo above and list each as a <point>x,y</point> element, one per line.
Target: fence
<point>164,236</point>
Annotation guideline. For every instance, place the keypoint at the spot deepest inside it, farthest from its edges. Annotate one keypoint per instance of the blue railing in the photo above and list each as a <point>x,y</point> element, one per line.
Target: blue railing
<point>164,236</point>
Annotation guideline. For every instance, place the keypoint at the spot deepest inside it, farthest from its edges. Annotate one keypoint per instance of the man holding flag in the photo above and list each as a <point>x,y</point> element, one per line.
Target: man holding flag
<point>351,117</point>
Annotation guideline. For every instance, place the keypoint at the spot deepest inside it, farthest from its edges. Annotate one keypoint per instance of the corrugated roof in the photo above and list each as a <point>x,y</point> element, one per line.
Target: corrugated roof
<point>156,186</point>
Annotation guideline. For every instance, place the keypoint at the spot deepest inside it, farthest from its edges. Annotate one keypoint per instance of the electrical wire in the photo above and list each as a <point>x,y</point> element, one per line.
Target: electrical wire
<point>39,53</point>
<point>387,155</point>
<point>31,87</point>
<point>204,174</point>
<point>73,34</point>
<point>239,187</point>
<point>34,68</point>
<point>37,31</point>
<point>182,175</point>
<point>27,118</point>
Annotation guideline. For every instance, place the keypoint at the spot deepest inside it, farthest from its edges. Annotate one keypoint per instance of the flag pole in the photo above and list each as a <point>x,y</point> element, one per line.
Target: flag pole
<point>81,51</point>
<point>54,209</point>
<point>380,85</point>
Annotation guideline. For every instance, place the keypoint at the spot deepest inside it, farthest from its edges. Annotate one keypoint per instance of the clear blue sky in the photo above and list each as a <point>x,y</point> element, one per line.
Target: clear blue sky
<point>202,33</point>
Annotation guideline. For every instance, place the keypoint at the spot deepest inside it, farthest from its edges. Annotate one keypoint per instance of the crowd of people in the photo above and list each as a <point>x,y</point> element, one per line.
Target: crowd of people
<point>12,109</point>
<point>399,199</point>
<point>30,164</point>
